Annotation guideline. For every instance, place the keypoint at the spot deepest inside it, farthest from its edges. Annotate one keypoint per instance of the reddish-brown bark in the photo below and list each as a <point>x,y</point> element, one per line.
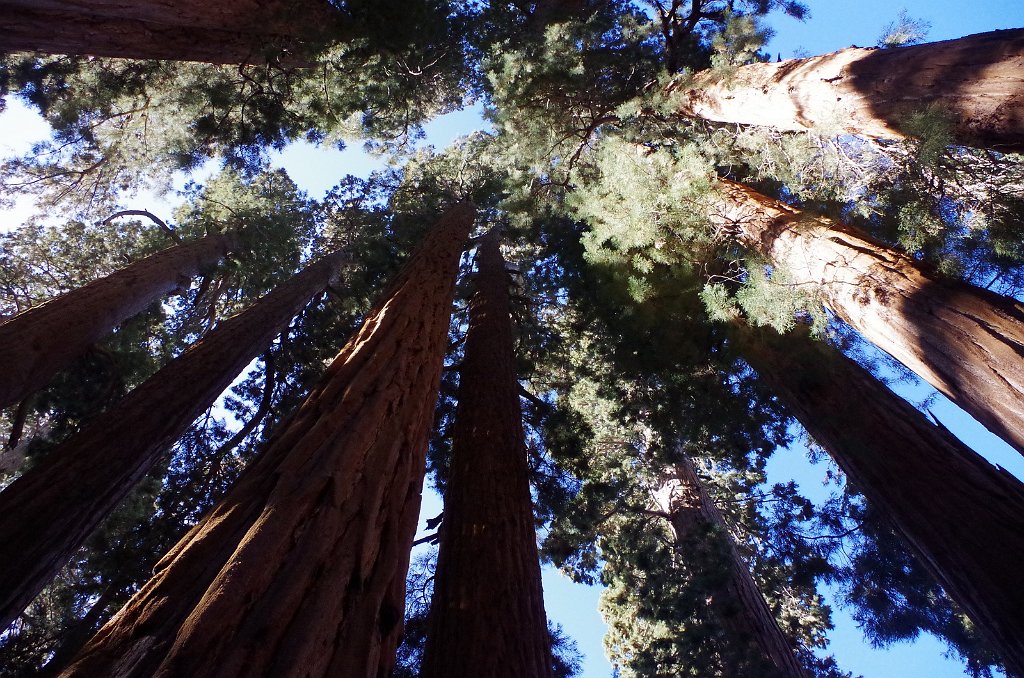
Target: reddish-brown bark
<point>300,569</point>
<point>53,508</point>
<point>742,609</point>
<point>961,516</point>
<point>965,341</point>
<point>221,31</point>
<point>39,342</point>
<point>487,614</point>
<point>978,81</point>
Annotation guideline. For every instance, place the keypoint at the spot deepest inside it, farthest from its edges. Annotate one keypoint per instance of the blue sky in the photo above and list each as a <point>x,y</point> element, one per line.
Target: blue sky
<point>833,24</point>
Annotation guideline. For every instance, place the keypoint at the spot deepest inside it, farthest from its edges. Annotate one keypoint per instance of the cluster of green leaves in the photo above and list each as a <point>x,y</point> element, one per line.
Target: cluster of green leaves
<point>634,415</point>
<point>614,155</point>
<point>624,289</point>
<point>123,125</point>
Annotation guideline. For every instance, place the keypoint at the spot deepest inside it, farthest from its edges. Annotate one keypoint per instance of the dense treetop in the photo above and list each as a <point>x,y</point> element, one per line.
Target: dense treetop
<point>632,290</point>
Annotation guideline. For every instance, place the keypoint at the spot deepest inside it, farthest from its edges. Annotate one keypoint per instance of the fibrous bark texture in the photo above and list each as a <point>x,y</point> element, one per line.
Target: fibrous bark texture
<point>965,341</point>
<point>53,508</point>
<point>487,614</point>
<point>961,516</point>
<point>743,611</point>
<point>217,31</point>
<point>300,569</point>
<point>977,81</point>
<point>39,342</point>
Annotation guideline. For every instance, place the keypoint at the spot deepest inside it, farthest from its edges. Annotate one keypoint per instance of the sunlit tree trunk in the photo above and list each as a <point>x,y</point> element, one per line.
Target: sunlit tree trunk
<point>750,626</point>
<point>300,569</point>
<point>41,341</point>
<point>487,614</point>
<point>48,512</point>
<point>961,516</point>
<point>977,82</point>
<point>217,31</point>
<point>965,341</point>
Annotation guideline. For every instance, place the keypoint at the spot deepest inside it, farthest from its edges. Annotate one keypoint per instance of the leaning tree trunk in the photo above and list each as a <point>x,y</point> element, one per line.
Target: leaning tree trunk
<point>214,31</point>
<point>487,614</point>
<point>300,569</point>
<point>977,81</point>
<point>742,610</point>
<point>965,341</point>
<point>963,517</point>
<point>39,342</point>
<point>53,508</point>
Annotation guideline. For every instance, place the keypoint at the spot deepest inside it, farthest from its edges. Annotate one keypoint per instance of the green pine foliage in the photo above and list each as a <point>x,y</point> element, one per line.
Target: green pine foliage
<point>131,125</point>
<point>623,291</point>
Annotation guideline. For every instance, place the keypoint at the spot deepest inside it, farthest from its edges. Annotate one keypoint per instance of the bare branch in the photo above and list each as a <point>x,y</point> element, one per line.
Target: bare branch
<point>149,215</point>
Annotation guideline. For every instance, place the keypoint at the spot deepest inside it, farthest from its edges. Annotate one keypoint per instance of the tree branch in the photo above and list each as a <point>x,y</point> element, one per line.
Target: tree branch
<point>269,382</point>
<point>429,539</point>
<point>18,423</point>
<point>537,402</point>
<point>149,215</point>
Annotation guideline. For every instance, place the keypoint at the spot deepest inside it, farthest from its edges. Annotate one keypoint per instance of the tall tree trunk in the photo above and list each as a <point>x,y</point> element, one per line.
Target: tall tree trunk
<point>41,341</point>
<point>300,569</point>
<point>487,614</point>
<point>54,507</point>
<point>978,81</point>
<point>743,611</point>
<point>221,31</point>
<point>965,341</point>
<point>963,517</point>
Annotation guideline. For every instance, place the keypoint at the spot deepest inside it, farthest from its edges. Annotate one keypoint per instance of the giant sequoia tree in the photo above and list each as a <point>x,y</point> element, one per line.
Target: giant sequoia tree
<point>959,495</point>
<point>487,616</point>
<point>658,180</point>
<point>696,521</point>
<point>965,341</point>
<point>293,539</point>
<point>227,33</point>
<point>40,341</point>
<point>977,81</point>
<point>94,470</point>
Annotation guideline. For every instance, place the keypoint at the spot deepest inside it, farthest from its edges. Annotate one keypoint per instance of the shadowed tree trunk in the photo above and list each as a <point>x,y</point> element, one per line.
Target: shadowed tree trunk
<point>487,614</point>
<point>54,507</point>
<point>41,341</point>
<point>300,569</point>
<point>965,341</point>
<point>742,610</point>
<point>961,516</point>
<point>978,81</point>
<point>216,31</point>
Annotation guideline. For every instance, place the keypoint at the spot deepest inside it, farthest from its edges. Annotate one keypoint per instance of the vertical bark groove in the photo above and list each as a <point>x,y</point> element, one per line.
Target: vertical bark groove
<point>977,80</point>
<point>41,341</point>
<point>487,614</point>
<point>963,517</point>
<point>54,507</point>
<point>300,569</point>
<point>963,340</point>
